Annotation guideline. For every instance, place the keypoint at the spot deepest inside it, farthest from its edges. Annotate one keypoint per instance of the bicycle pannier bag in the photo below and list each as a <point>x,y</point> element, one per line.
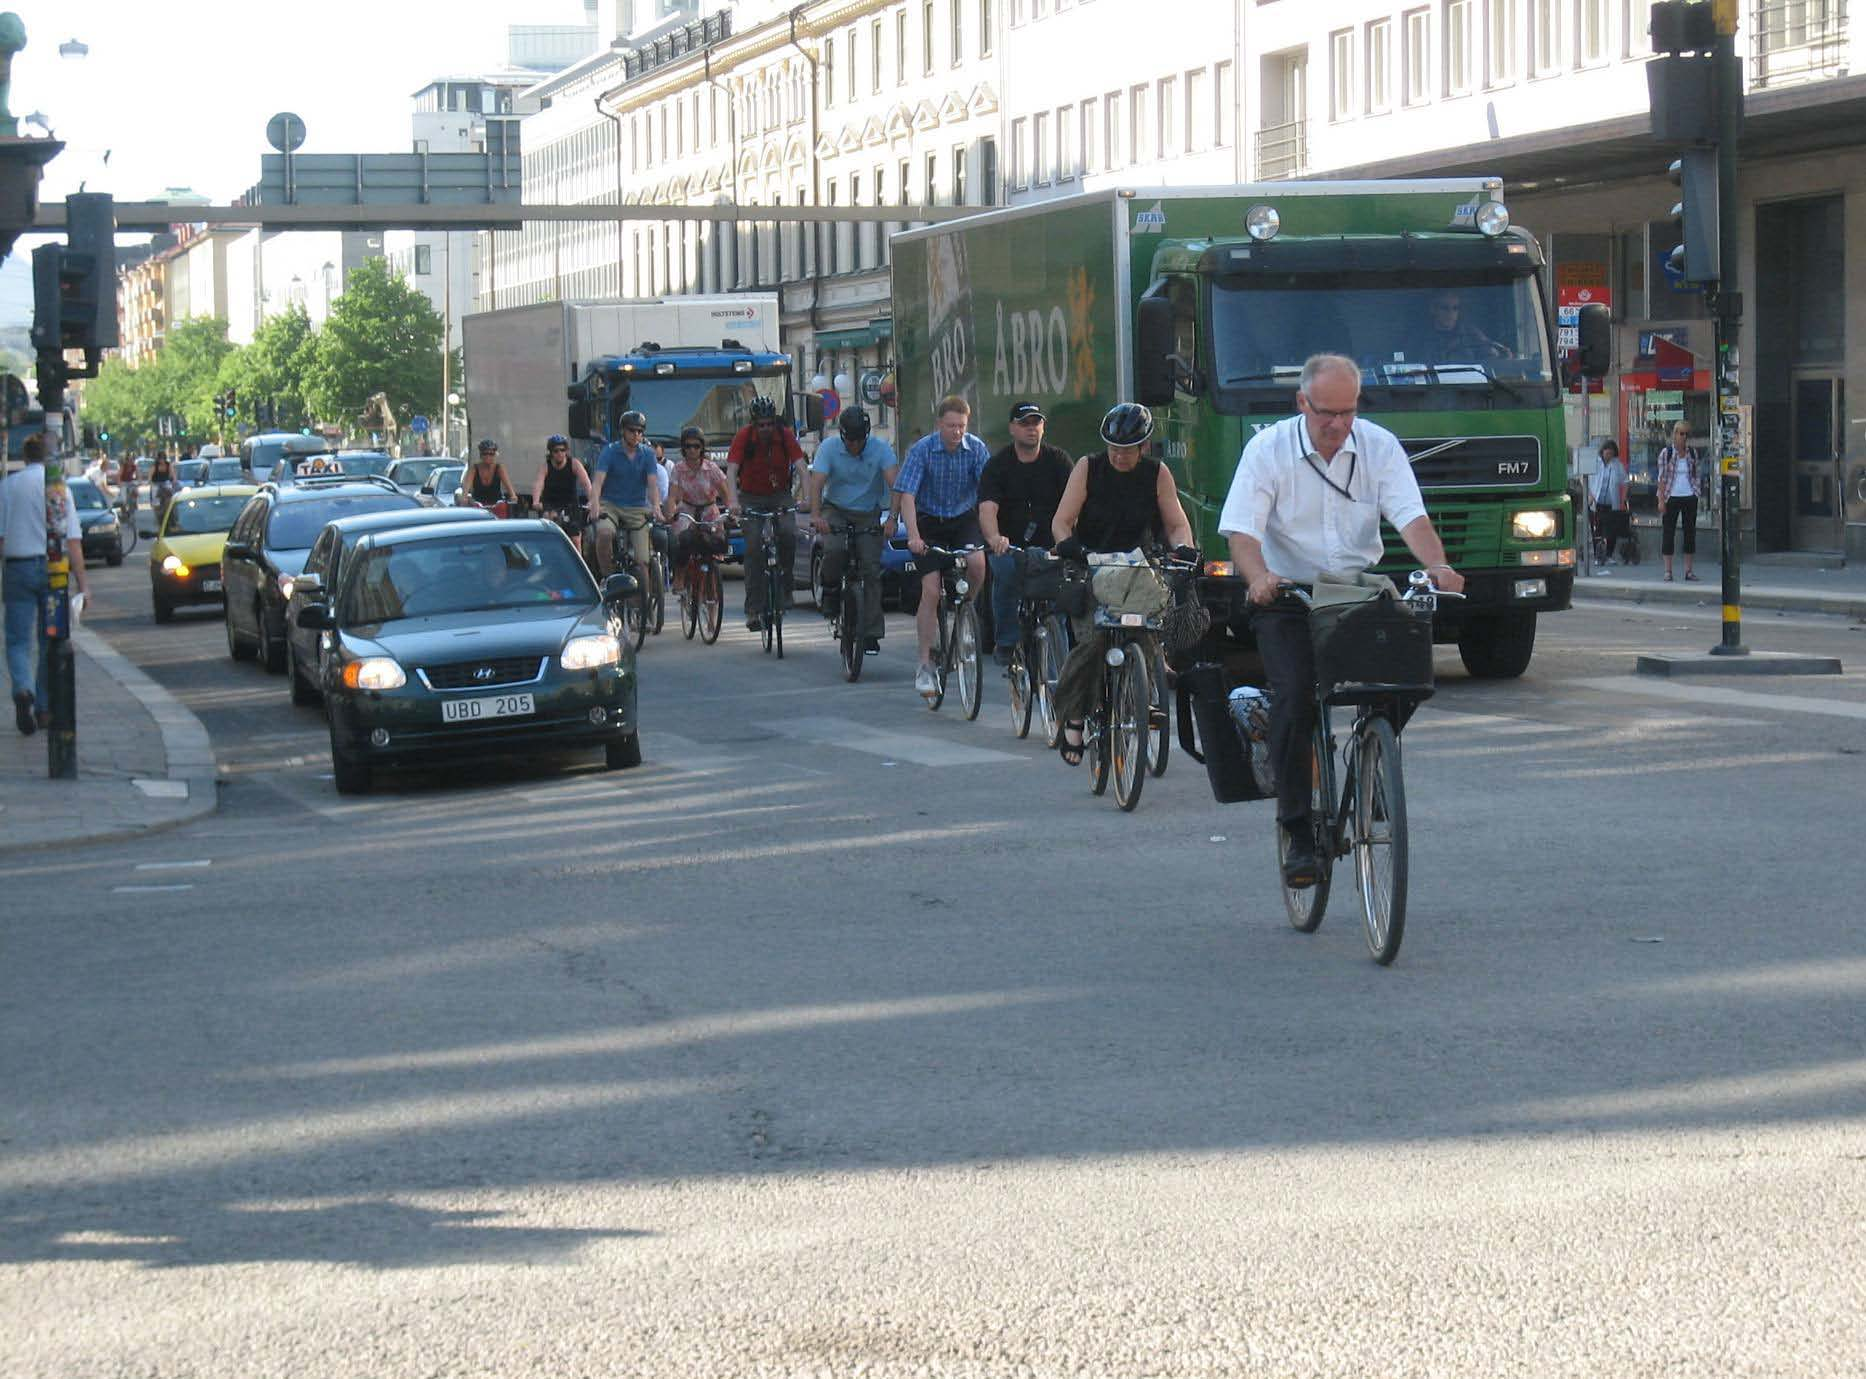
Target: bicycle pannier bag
<point>1369,648</point>
<point>1221,745</point>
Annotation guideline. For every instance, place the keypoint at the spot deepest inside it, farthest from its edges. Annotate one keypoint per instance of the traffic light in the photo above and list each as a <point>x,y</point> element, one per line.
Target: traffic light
<point>1698,257</point>
<point>231,407</point>
<point>74,294</point>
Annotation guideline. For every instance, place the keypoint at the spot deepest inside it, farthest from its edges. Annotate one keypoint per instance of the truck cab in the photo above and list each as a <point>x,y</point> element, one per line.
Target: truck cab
<point>678,387</point>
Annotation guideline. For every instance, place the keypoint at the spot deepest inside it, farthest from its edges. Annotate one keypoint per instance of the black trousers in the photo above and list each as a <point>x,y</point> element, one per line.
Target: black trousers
<point>1289,665</point>
<point>1676,510</point>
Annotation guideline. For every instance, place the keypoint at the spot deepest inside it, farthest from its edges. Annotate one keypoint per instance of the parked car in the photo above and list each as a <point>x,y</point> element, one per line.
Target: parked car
<point>548,666</point>
<point>807,571</point>
<point>97,519</point>
<point>323,571</point>
<point>355,464</point>
<point>184,560</point>
<point>438,489</point>
<point>267,549</point>
<point>408,472</point>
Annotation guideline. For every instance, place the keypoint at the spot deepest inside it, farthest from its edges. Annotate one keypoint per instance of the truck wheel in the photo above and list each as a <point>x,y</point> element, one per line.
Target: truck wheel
<point>1498,647</point>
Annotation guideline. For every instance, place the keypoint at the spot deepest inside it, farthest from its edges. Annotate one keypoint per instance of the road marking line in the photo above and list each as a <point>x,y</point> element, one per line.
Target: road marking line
<point>173,866</point>
<point>1726,698</point>
<point>915,747</point>
<point>162,789</point>
<point>141,890</point>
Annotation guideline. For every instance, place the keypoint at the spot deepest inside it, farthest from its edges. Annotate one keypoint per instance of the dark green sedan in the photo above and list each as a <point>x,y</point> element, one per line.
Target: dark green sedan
<point>472,639</point>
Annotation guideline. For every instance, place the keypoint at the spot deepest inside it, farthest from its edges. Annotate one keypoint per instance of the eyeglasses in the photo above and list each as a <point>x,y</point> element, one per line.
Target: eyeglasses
<point>691,445</point>
<point>1325,414</point>
<point>632,431</point>
<point>560,450</point>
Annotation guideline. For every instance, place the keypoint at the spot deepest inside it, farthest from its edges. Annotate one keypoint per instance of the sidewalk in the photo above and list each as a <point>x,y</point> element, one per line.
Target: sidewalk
<point>144,763</point>
<point>1796,584</point>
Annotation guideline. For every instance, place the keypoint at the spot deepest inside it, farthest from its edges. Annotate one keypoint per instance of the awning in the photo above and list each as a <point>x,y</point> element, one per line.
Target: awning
<point>846,339</point>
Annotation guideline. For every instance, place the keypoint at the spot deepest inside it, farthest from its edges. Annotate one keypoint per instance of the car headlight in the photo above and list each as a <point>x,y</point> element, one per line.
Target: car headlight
<point>587,653</point>
<point>285,586</point>
<point>1539,524</point>
<point>171,565</point>
<point>374,673</point>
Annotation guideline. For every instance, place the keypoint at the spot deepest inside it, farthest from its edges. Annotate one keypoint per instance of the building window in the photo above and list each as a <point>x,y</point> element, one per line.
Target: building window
<point>1227,98</point>
<point>881,230</point>
<point>1545,37</point>
<point>985,24</point>
<point>1379,66</point>
<point>1091,129</point>
<point>1457,30</point>
<point>958,174</point>
<point>1341,75</point>
<point>831,231</point>
<point>958,31</point>
<point>1019,12</point>
<point>1198,111</point>
<point>1111,122</point>
<point>424,260</point>
<point>855,61</point>
<point>858,231</point>
<point>988,171</point>
<point>1018,155</point>
<point>1499,42</point>
<point>926,37</point>
<point>900,47</point>
<point>1417,88</point>
<point>1042,168</point>
<point>1137,145</point>
<point>1592,36</point>
<point>1638,36</point>
<point>1168,117</point>
<point>874,57</point>
<point>1068,144</point>
<point>907,182</point>
<point>829,71</point>
<point>932,180</point>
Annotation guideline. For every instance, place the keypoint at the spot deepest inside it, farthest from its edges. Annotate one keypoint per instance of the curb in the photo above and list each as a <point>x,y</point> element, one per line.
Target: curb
<point>185,743</point>
<point>1769,600</point>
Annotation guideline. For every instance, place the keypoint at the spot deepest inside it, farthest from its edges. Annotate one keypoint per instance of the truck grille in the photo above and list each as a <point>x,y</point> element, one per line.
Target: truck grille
<point>1478,461</point>
<point>483,674</point>
<point>1454,528</point>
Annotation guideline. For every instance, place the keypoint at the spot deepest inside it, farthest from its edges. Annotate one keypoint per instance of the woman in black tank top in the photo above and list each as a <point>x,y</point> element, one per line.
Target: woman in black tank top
<point>1120,507</point>
<point>563,484</point>
<point>486,482</point>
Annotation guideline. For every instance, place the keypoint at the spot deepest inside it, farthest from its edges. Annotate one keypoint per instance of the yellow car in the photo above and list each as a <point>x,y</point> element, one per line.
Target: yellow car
<point>184,563</point>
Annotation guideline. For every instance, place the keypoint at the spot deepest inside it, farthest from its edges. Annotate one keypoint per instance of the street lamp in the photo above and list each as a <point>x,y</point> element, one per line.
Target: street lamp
<point>329,270</point>
<point>73,48</point>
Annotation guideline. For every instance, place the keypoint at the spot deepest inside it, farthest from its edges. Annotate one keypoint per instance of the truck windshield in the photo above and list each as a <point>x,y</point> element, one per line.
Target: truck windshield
<point>718,406</point>
<point>1423,341</point>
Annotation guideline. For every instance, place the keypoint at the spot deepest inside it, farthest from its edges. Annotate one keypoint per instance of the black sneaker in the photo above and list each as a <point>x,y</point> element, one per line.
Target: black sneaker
<point>1301,869</point>
<point>871,646</point>
<point>22,712</point>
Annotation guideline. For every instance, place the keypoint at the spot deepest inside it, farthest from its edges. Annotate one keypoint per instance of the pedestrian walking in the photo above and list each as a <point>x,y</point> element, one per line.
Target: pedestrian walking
<point>1610,515</point>
<point>25,529</point>
<point>1680,483</point>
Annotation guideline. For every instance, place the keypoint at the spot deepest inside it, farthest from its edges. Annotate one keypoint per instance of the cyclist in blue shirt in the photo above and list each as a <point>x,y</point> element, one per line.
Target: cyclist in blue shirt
<point>626,494</point>
<point>938,490</point>
<point>849,481</point>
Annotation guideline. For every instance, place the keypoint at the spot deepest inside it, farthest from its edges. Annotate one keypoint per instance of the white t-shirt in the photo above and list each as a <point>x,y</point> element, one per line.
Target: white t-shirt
<point>1306,527</point>
<point>22,513</point>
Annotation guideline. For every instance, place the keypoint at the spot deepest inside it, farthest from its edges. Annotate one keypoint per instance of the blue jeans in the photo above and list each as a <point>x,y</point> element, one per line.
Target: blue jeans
<point>26,586</point>
<point>1007,584</point>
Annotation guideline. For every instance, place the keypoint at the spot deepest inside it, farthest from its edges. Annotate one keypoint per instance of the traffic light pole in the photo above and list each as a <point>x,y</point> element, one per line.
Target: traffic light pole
<point>1729,318</point>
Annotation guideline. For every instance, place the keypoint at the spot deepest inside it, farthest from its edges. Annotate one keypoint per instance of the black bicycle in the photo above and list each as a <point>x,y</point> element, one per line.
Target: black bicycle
<point>955,650</point>
<point>1123,736</point>
<point>777,580</point>
<point>1366,815</point>
<point>638,608</point>
<point>1043,643</point>
<point>853,608</point>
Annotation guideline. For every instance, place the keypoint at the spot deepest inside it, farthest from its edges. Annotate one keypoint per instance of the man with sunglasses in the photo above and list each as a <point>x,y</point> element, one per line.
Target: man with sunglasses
<point>627,493</point>
<point>765,467</point>
<point>1306,502</point>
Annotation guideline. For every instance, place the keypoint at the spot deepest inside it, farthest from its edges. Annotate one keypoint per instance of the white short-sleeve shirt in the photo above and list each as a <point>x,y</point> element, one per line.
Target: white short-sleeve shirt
<point>1306,527</point>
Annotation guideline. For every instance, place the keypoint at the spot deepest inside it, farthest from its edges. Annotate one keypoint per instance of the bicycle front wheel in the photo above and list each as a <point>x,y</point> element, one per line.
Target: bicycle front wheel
<point>848,637</point>
<point>1052,650</point>
<point>1127,728</point>
<point>1380,836</point>
<point>1023,691</point>
<point>965,661</point>
<point>126,533</point>
<point>1305,906</point>
<point>942,653</point>
<point>1095,751</point>
<point>657,594</point>
<point>635,616</point>
<point>712,601</point>
<point>1159,712</point>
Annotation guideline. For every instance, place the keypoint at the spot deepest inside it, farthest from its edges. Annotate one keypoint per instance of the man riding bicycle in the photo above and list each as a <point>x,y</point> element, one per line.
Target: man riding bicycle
<point>765,467</point>
<point>1017,498</point>
<point>1306,502</point>
<point>627,496</point>
<point>849,481</point>
<point>937,485</point>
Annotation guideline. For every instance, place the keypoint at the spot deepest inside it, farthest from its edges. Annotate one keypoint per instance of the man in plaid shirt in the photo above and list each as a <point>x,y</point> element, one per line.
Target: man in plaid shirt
<point>937,488</point>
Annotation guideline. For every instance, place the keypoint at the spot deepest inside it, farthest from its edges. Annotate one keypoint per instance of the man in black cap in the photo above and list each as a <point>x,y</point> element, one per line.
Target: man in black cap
<point>1017,497</point>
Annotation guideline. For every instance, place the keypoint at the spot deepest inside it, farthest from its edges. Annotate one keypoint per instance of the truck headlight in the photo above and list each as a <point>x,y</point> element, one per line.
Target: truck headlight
<point>588,653</point>
<point>1262,222</point>
<point>1538,524</point>
<point>1492,218</point>
<point>374,673</point>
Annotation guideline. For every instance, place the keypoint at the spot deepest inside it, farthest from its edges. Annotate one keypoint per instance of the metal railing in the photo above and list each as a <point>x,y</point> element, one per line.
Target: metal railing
<point>1283,150</point>
<point>1797,40</point>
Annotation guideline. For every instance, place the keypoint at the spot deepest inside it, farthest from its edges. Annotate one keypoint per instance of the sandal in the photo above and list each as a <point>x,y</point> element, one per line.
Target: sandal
<point>1691,575</point>
<point>1668,578</point>
<point>1072,751</point>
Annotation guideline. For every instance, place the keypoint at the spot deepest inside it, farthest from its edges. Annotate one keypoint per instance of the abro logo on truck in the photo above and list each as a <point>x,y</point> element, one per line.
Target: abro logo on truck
<point>1047,352</point>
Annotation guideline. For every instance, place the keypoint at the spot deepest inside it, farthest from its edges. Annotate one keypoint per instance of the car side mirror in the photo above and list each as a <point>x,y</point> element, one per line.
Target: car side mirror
<point>1596,331</point>
<point>308,584</point>
<point>620,586</point>
<point>315,617</point>
<point>239,550</point>
<point>1154,372</point>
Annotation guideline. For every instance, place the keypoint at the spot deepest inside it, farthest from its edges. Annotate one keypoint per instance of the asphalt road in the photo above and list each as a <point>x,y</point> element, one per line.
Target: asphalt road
<point>842,1037</point>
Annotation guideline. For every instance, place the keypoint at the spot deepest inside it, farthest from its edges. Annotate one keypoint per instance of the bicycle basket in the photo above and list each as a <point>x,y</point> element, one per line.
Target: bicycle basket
<point>1063,583</point>
<point>1185,622</point>
<point>1124,590</point>
<point>1370,649</point>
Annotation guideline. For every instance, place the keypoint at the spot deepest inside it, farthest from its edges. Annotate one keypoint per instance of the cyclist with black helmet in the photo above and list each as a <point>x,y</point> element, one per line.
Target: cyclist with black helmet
<point>696,500</point>
<point>563,485</point>
<point>1117,500</point>
<point>485,481</point>
<point>628,495</point>
<point>765,466</point>
<point>850,476</point>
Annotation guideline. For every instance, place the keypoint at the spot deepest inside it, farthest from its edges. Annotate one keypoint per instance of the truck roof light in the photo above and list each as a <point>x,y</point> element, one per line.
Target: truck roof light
<point>1492,218</point>
<point>662,370</point>
<point>741,366</point>
<point>1262,222</point>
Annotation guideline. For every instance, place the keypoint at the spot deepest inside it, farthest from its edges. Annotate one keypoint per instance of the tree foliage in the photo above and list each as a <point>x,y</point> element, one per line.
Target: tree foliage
<point>382,336</point>
<point>179,381</point>
<point>272,369</point>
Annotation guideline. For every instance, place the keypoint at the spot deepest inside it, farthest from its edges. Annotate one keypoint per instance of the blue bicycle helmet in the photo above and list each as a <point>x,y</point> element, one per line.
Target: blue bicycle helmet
<point>1127,423</point>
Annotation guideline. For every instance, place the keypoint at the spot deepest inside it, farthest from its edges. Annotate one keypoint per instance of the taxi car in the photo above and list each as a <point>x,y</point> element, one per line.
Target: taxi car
<point>184,561</point>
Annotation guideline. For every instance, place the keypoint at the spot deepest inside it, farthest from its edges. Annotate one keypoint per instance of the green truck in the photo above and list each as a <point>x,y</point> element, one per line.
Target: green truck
<point>1204,303</point>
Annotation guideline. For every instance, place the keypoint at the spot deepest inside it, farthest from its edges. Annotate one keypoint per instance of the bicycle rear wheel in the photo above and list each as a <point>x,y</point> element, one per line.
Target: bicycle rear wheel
<point>848,636</point>
<point>1380,836</point>
<point>1159,712</point>
<point>690,603</point>
<point>126,533</point>
<point>1305,906</point>
<point>965,661</point>
<point>712,601</point>
<point>1127,728</point>
<point>657,593</point>
<point>1095,753</point>
<point>941,650</point>
<point>1052,650</point>
<point>635,616</point>
<point>1023,690</point>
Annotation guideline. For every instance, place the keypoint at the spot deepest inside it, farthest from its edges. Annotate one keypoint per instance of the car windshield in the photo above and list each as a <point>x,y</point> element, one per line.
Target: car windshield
<point>190,471</point>
<point>417,579</point>
<point>445,479</point>
<point>264,454</point>
<point>413,471</point>
<point>84,495</point>
<point>357,462</point>
<point>1413,334</point>
<point>295,526</point>
<point>193,516</point>
<point>227,471</point>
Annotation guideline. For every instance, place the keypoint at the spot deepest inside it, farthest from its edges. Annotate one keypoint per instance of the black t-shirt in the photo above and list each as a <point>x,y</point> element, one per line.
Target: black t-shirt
<point>1026,494</point>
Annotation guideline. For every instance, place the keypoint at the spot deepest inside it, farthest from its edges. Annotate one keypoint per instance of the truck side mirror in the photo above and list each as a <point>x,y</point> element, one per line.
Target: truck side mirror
<point>1596,328</point>
<point>1154,374</point>
<point>812,411</point>
<point>577,427</point>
